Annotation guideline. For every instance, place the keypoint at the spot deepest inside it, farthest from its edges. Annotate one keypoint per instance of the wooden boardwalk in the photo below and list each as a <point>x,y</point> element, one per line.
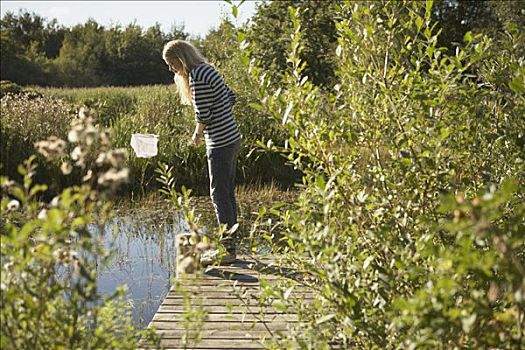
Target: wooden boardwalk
<point>224,308</point>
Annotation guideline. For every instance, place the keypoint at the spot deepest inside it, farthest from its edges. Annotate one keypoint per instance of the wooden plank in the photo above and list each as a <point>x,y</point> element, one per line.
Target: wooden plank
<point>216,334</point>
<point>213,281</point>
<point>217,288</point>
<point>204,281</point>
<point>215,295</point>
<point>197,295</point>
<point>243,280</point>
<point>172,317</point>
<point>231,325</point>
<point>222,309</point>
<point>247,301</point>
<point>250,296</point>
<point>234,277</point>
<point>217,302</point>
<point>268,272</point>
<point>213,344</point>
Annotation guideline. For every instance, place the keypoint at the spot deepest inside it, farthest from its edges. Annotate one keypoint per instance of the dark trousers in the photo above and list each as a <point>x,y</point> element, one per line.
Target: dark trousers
<point>222,165</point>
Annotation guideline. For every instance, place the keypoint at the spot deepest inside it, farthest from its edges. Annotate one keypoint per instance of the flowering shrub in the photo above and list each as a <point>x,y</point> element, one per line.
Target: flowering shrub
<point>49,294</point>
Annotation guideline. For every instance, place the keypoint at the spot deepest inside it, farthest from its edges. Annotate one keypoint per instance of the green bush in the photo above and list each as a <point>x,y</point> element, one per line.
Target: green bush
<point>50,251</point>
<point>8,87</point>
<point>392,263</point>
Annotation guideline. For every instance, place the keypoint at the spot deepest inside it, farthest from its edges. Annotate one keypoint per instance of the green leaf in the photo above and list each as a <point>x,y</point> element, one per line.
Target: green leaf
<point>256,106</point>
<point>18,193</point>
<point>320,183</point>
<point>80,221</point>
<point>36,189</point>
<point>468,37</point>
<point>517,85</point>
<point>444,133</point>
<point>21,170</point>
<point>428,9</point>
<point>280,306</point>
<point>241,36</point>
<point>419,23</point>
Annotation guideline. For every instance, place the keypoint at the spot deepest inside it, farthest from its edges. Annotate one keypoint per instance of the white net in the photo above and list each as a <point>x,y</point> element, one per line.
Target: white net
<point>145,145</point>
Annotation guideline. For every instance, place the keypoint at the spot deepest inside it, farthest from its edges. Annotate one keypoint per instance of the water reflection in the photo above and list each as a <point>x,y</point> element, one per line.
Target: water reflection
<point>144,259</point>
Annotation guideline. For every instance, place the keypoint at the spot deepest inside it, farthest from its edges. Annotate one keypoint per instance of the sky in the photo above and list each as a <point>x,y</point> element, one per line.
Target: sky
<point>197,16</point>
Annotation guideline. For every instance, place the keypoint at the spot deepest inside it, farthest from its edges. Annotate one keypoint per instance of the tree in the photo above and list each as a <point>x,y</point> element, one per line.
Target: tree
<point>27,45</point>
<point>272,28</point>
<point>457,17</point>
<point>79,61</point>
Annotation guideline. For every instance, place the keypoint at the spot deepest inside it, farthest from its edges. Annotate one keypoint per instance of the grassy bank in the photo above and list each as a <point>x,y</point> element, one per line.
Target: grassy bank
<point>27,119</point>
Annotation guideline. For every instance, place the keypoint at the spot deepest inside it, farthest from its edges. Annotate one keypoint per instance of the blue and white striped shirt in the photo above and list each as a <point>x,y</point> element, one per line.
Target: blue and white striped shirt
<point>213,101</point>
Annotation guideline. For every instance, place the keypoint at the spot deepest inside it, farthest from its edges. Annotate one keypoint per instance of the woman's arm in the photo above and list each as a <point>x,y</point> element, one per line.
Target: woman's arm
<point>197,134</point>
<point>202,98</point>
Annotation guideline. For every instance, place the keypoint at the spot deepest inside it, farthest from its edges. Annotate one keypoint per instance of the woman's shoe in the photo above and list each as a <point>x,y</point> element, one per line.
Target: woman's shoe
<point>212,257</point>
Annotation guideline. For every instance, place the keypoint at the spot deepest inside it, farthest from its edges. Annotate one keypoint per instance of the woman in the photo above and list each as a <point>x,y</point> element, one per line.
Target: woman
<point>201,85</point>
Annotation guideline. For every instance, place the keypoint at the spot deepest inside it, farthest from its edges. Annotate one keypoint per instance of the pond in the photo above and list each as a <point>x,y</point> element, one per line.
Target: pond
<point>143,242</point>
<point>144,260</point>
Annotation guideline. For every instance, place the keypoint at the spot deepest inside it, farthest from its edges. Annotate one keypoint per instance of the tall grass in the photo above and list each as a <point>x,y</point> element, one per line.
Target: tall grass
<point>147,109</point>
<point>25,119</point>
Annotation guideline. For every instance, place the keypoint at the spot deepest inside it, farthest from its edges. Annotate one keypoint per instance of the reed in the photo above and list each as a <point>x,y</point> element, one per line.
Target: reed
<point>146,109</point>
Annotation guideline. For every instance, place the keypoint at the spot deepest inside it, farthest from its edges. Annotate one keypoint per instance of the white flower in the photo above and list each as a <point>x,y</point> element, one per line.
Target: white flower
<point>114,177</point>
<point>101,159</point>
<point>7,183</point>
<point>90,134</point>
<point>77,125</point>
<point>51,148</point>
<point>59,145</point>
<point>55,201</point>
<point>42,215</point>
<point>77,153</point>
<point>66,168</point>
<point>13,205</point>
<point>73,136</point>
<point>88,176</point>
<point>42,148</point>
<point>83,113</point>
<point>117,157</point>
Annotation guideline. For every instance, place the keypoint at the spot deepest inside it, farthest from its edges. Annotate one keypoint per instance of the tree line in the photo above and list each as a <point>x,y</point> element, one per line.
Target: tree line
<point>38,51</point>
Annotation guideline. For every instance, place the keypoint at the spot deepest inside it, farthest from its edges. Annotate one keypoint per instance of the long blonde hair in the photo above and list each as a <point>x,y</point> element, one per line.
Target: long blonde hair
<point>190,57</point>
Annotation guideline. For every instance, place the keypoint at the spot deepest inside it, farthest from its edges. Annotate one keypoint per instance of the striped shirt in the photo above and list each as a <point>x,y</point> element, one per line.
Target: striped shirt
<point>213,101</point>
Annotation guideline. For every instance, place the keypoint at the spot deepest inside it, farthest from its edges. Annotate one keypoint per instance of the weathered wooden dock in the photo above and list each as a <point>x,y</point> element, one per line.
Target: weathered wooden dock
<point>224,308</point>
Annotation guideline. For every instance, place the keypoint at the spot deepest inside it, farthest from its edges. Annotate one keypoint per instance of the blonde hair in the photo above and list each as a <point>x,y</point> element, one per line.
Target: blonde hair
<point>190,57</point>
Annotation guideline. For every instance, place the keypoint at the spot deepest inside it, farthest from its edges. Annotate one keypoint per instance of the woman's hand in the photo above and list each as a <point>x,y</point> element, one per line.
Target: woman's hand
<point>197,138</point>
<point>197,134</point>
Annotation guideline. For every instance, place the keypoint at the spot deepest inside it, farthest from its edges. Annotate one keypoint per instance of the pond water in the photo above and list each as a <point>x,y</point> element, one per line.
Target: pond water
<point>144,259</point>
<point>143,243</point>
